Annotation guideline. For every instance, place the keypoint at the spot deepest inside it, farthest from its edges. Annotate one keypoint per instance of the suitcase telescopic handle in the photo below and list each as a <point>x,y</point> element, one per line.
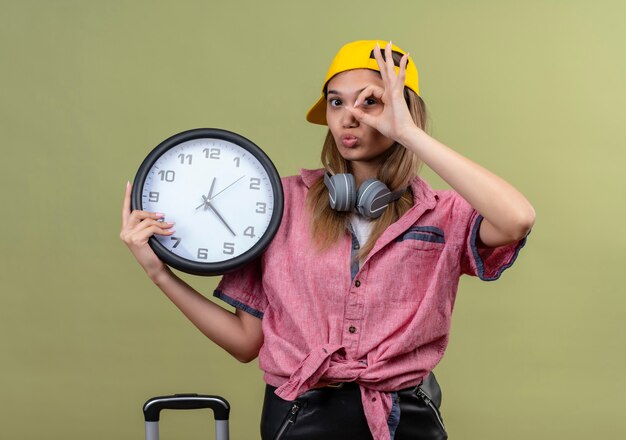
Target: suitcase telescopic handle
<point>152,409</point>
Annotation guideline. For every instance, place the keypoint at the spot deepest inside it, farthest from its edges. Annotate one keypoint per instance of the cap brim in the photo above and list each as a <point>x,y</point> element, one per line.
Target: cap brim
<point>317,113</point>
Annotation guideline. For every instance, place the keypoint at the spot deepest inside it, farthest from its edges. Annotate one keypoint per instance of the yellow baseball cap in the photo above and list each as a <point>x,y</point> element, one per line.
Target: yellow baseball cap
<point>358,55</point>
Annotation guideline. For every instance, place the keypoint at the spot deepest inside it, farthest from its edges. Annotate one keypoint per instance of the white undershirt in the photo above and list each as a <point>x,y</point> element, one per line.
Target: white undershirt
<point>362,228</point>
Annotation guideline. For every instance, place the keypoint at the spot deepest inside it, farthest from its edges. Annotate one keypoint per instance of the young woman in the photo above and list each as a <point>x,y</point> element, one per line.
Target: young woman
<point>349,308</point>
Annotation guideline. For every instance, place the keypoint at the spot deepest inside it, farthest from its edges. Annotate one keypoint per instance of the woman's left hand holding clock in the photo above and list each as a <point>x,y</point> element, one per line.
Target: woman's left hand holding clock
<point>220,230</point>
<point>239,333</point>
<point>137,227</point>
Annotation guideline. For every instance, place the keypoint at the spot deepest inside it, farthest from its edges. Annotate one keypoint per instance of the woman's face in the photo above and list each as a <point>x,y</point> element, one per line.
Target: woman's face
<point>356,142</point>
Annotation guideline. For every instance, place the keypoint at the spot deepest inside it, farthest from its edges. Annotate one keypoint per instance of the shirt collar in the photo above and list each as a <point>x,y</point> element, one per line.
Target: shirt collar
<point>310,176</point>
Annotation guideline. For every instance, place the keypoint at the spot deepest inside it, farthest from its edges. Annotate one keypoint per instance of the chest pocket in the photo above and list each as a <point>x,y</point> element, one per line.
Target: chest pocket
<point>423,237</point>
<point>420,249</point>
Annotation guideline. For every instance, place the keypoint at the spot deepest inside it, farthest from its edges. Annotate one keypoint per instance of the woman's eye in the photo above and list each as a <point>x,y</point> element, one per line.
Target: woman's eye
<point>370,101</point>
<point>335,102</point>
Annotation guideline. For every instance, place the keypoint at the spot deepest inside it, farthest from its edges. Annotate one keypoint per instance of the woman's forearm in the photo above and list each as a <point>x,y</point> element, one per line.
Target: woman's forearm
<point>238,333</point>
<point>508,212</point>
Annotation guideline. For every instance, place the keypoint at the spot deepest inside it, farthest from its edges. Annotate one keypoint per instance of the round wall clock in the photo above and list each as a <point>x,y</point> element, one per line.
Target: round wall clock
<point>223,192</point>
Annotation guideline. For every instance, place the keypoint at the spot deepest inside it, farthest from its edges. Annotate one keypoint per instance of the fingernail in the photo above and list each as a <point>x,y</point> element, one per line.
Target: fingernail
<point>171,223</point>
<point>172,230</point>
<point>159,215</point>
<point>128,183</point>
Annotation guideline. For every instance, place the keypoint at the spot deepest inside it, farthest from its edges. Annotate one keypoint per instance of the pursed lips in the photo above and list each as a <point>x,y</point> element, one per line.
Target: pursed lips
<point>348,140</point>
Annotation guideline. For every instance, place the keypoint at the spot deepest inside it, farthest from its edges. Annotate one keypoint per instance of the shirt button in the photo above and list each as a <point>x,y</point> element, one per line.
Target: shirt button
<point>352,329</point>
<point>357,283</point>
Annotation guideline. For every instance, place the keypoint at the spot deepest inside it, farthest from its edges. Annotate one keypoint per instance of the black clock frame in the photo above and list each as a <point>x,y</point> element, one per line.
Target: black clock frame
<point>222,267</point>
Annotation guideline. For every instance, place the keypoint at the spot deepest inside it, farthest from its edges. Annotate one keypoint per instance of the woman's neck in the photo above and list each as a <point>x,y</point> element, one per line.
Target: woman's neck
<point>363,171</point>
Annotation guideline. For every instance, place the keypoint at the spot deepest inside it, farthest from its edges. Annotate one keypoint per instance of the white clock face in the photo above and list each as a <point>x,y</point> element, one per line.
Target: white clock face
<point>219,195</point>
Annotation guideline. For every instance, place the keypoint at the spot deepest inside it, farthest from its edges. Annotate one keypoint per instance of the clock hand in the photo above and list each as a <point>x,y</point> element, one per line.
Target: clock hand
<point>211,198</point>
<point>211,190</point>
<point>208,198</point>
<point>212,208</point>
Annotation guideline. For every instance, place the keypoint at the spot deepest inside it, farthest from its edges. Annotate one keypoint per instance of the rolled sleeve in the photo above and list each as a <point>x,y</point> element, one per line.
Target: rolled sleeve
<point>243,289</point>
<point>484,262</point>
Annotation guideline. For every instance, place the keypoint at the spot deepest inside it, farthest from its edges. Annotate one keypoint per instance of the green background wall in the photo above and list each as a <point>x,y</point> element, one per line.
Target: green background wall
<point>532,90</point>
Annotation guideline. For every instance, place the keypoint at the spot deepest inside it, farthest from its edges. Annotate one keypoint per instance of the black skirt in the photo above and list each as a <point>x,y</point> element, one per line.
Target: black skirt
<point>336,413</point>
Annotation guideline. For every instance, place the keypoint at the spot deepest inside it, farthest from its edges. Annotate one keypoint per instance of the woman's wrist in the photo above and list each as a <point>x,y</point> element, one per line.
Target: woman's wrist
<point>161,275</point>
<point>410,136</point>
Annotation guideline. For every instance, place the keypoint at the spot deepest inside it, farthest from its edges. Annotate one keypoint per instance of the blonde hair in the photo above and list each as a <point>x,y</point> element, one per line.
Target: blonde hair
<point>399,167</point>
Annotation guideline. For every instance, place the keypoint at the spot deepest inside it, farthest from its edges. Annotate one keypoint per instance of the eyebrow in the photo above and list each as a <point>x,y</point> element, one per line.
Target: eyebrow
<point>335,92</point>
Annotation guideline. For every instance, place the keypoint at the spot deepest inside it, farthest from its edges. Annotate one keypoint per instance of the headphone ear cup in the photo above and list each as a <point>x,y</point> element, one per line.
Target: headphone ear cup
<point>350,186</point>
<point>372,198</point>
<point>341,191</point>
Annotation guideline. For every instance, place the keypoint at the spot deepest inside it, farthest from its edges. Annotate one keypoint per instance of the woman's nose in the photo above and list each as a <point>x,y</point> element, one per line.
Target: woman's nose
<point>348,120</point>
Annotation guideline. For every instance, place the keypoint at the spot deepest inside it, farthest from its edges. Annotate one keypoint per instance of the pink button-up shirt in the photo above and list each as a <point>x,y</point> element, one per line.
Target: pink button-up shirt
<point>384,325</point>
